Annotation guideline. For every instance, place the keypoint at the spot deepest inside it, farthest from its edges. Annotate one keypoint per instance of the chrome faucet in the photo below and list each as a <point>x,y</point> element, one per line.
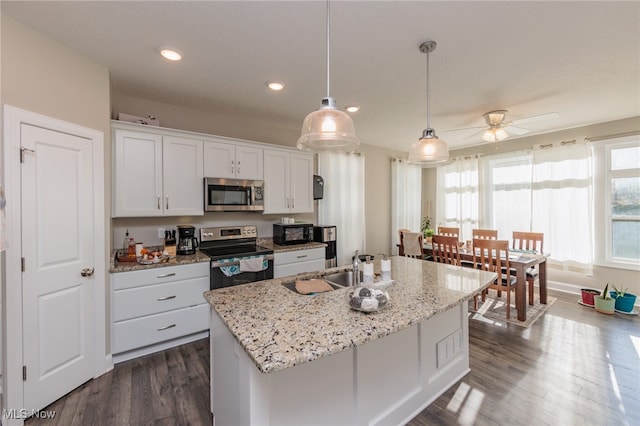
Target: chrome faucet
<point>356,270</point>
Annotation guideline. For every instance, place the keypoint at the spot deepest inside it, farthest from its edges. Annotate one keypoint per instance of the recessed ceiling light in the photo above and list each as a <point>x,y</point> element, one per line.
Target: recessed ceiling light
<point>276,86</point>
<point>353,108</point>
<point>171,54</point>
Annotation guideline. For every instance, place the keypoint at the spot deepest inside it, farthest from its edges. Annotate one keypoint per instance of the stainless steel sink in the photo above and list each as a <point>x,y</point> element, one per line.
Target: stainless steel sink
<point>342,279</point>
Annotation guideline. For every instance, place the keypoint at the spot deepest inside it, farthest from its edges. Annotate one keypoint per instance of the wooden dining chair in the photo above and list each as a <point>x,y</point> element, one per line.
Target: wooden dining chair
<point>449,232</point>
<point>411,244</point>
<point>492,255</point>
<point>530,241</point>
<point>445,249</point>
<point>484,234</point>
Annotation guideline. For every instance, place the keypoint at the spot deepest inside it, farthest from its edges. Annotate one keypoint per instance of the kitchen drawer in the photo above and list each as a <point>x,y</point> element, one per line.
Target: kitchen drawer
<point>298,268</point>
<point>299,256</point>
<point>152,299</point>
<point>144,331</point>
<point>158,275</point>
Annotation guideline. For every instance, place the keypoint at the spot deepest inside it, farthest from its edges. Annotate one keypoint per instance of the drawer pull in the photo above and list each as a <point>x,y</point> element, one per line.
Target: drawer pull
<point>166,327</point>
<point>166,298</point>
<point>302,255</point>
<point>166,275</point>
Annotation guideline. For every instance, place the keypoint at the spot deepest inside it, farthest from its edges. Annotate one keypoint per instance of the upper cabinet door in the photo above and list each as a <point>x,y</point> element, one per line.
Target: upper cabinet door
<point>301,183</point>
<point>219,160</point>
<point>137,174</point>
<point>234,161</point>
<point>249,162</point>
<point>183,177</point>
<point>276,182</point>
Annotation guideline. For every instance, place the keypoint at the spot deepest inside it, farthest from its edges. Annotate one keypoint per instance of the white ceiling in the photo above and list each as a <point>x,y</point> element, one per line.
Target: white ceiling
<point>579,59</point>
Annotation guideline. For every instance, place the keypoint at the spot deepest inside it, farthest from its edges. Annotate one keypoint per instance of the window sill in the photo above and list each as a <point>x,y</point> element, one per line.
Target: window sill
<point>618,265</point>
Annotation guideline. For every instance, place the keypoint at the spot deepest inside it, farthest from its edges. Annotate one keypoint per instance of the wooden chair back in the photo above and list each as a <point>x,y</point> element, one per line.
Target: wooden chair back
<point>528,241</point>
<point>411,244</point>
<point>493,256</point>
<point>485,234</point>
<point>445,249</point>
<point>449,232</point>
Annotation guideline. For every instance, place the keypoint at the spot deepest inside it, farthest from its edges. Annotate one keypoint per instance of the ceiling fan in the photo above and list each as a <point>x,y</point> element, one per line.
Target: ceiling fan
<point>497,128</point>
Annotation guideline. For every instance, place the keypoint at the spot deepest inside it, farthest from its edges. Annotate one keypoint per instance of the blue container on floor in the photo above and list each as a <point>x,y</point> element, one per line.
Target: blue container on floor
<point>624,303</point>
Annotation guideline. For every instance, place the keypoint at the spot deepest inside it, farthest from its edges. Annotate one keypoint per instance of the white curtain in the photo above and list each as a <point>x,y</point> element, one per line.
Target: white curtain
<point>343,202</point>
<point>561,203</point>
<point>406,193</point>
<point>457,196</point>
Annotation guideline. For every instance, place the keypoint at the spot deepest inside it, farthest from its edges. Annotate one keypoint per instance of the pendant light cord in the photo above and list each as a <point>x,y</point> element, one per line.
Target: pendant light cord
<point>328,28</point>
<point>428,102</point>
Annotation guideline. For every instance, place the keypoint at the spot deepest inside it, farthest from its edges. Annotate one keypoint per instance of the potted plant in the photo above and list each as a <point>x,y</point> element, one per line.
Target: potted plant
<point>605,304</point>
<point>624,300</point>
<point>426,228</point>
<point>587,296</point>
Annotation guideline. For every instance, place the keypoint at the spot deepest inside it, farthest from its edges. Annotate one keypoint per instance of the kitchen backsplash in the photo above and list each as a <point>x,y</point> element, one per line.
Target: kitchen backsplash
<point>145,229</point>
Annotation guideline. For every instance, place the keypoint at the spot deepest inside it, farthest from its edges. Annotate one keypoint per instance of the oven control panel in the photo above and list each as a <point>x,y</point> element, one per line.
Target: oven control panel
<point>228,233</point>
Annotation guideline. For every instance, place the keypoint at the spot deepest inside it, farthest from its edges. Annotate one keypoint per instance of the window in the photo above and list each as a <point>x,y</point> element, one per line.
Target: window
<point>457,196</point>
<point>618,221</point>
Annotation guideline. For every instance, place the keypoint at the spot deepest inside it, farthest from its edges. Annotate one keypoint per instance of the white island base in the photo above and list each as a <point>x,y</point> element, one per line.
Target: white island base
<point>386,381</point>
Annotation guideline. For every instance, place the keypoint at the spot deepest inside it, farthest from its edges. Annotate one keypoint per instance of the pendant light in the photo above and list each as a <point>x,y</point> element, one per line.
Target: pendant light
<point>429,150</point>
<point>328,128</point>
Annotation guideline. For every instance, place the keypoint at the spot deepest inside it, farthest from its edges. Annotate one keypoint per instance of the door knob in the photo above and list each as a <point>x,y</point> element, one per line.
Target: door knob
<point>86,272</point>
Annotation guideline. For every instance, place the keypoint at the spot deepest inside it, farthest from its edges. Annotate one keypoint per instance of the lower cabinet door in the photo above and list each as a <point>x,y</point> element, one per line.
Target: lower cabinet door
<point>143,331</point>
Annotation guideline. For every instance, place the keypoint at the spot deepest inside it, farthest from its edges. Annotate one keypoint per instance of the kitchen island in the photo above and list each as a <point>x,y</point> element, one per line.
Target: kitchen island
<point>279,358</point>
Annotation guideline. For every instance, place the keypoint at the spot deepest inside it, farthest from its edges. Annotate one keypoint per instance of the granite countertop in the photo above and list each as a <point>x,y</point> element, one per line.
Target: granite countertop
<point>277,248</point>
<point>117,266</point>
<point>279,328</point>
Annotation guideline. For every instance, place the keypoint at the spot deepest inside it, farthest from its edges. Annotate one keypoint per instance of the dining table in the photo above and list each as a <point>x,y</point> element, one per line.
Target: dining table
<point>520,261</point>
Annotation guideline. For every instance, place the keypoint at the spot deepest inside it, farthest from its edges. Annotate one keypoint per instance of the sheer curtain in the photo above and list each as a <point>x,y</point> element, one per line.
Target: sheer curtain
<point>457,196</point>
<point>561,201</point>
<point>406,193</point>
<point>343,204</point>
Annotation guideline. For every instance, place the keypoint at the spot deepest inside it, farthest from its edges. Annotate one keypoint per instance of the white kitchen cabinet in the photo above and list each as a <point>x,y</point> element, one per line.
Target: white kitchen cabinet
<point>298,261</point>
<point>288,182</point>
<point>235,161</point>
<point>155,174</point>
<point>155,309</point>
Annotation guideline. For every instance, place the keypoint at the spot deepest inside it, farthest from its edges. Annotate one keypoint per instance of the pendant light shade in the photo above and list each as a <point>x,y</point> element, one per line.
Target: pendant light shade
<point>429,150</point>
<point>328,128</point>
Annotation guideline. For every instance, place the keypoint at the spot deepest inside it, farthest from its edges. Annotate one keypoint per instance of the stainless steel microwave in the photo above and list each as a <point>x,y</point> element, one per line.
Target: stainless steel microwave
<point>233,195</point>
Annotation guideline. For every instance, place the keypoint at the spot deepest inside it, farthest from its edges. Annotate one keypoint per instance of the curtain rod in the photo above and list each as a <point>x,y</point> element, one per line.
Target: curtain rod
<point>617,135</point>
<point>550,145</point>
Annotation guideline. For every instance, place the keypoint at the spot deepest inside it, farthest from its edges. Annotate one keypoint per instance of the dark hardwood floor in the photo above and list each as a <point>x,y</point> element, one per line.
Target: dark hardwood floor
<point>574,366</point>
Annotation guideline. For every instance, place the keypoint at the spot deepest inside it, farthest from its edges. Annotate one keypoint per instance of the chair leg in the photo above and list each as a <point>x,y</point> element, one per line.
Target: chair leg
<point>508,304</point>
<point>530,281</point>
<point>475,302</point>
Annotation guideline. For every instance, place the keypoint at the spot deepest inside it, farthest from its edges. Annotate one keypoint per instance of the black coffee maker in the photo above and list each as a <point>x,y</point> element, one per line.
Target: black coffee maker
<point>187,242</point>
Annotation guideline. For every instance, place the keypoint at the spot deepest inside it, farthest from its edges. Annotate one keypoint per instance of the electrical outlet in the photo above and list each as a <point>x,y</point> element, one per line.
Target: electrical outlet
<point>161,232</point>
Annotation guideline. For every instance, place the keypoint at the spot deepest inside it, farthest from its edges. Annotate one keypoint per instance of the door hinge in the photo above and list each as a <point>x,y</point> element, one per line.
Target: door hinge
<point>24,372</point>
<point>22,264</point>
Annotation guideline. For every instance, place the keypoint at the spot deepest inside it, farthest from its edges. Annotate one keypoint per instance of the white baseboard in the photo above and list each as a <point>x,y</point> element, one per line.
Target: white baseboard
<point>572,289</point>
<point>108,363</point>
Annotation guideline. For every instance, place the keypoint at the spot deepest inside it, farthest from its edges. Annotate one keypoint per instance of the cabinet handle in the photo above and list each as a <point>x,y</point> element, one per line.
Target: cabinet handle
<point>166,327</point>
<point>293,203</point>
<point>301,256</point>
<point>233,166</point>
<point>238,168</point>
<point>158,201</point>
<point>167,201</point>
<point>171,274</point>
<point>160,299</point>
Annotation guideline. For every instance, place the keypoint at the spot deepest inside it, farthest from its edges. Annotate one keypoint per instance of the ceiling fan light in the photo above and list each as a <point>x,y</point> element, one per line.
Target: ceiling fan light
<point>495,134</point>
<point>429,149</point>
<point>328,129</point>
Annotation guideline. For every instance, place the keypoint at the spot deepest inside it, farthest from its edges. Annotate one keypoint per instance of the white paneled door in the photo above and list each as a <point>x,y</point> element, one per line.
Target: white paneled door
<point>58,252</point>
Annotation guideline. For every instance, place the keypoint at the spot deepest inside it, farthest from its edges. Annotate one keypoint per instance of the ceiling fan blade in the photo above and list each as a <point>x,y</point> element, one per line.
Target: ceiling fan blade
<point>475,134</point>
<point>512,130</point>
<point>465,128</point>
<point>533,118</point>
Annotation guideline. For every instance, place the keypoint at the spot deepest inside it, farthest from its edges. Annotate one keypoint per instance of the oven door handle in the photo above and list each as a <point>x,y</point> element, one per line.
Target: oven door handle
<point>215,264</point>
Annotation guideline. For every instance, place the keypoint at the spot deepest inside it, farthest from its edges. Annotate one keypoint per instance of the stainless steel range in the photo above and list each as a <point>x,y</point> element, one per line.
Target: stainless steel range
<point>235,257</point>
